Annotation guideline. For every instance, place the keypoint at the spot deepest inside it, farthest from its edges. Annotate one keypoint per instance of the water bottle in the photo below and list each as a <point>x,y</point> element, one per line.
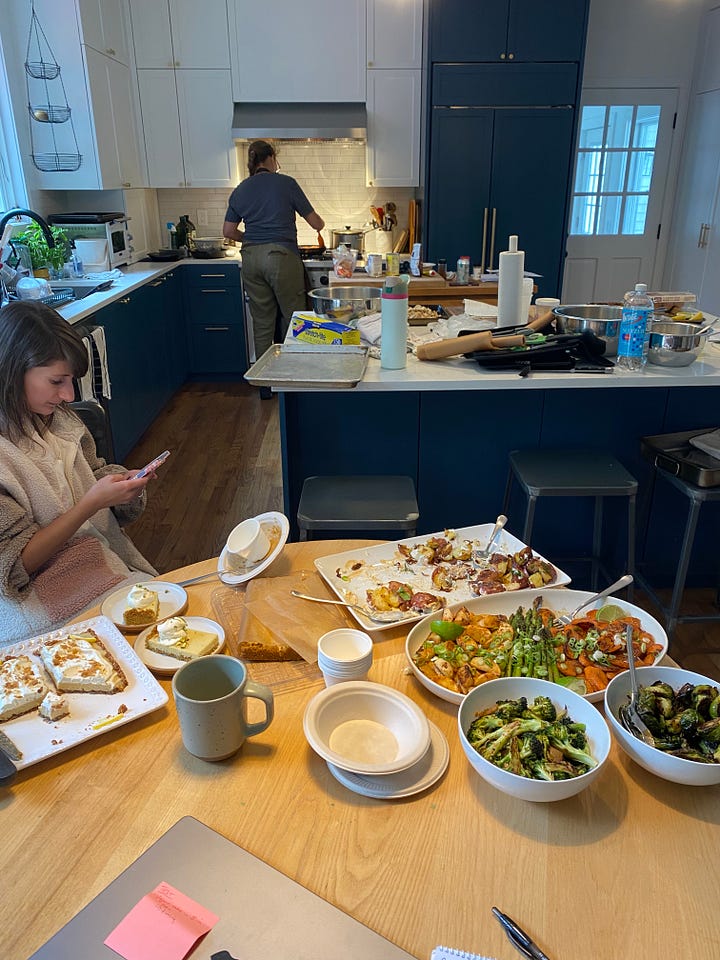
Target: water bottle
<point>634,340</point>
<point>171,235</point>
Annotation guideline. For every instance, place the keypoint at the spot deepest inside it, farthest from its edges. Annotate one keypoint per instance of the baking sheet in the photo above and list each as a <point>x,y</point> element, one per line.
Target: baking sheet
<point>674,453</point>
<point>383,571</point>
<point>318,367</point>
<point>91,714</point>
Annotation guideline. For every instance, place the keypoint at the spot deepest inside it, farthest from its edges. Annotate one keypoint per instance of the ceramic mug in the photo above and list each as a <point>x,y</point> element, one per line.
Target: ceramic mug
<point>211,701</point>
<point>247,544</point>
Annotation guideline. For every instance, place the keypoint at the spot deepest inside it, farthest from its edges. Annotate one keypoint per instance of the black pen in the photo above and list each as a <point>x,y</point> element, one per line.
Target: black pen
<point>518,938</point>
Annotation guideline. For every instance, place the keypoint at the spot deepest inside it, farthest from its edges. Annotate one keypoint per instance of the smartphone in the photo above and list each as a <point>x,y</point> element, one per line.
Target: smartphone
<point>153,465</point>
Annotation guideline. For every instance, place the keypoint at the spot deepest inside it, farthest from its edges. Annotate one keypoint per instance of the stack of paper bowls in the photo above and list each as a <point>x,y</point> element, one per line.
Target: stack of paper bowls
<point>344,654</point>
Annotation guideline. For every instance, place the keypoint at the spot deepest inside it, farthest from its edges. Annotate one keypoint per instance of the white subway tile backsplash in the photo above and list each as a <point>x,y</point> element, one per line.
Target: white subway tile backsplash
<point>331,174</point>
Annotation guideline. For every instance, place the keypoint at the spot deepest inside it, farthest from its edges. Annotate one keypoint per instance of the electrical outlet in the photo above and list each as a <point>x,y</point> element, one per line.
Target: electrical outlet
<point>202,218</point>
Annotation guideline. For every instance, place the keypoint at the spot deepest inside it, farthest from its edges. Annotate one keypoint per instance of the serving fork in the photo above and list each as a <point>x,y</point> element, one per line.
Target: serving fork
<point>564,619</point>
<point>480,555</point>
<point>629,716</point>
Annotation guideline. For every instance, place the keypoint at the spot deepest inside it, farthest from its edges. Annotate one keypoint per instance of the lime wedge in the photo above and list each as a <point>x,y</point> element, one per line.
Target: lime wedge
<point>446,629</point>
<point>576,684</point>
<point>611,611</point>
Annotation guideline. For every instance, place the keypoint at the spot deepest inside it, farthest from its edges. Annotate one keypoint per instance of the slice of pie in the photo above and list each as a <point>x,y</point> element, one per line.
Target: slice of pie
<point>80,663</point>
<point>143,606</point>
<point>174,638</point>
<point>54,706</point>
<point>22,686</point>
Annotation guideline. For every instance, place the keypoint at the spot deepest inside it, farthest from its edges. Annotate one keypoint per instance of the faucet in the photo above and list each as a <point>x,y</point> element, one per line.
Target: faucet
<point>33,216</point>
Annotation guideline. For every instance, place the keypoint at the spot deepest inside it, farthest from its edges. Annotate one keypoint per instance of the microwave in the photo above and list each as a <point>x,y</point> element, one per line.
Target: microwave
<point>111,227</point>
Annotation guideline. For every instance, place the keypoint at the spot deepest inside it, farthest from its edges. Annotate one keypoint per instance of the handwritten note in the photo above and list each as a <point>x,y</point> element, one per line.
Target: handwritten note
<point>164,925</point>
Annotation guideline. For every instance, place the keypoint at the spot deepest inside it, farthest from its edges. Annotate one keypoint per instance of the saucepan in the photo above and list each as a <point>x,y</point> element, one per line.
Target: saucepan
<point>676,344</point>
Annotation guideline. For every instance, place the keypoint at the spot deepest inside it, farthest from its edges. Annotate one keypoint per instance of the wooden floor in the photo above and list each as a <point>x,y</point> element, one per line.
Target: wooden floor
<point>225,466</point>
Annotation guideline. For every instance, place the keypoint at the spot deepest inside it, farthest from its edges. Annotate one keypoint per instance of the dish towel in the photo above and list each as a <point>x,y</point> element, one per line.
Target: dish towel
<point>98,335</point>
<point>708,443</point>
<point>370,328</point>
<point>86,384</point>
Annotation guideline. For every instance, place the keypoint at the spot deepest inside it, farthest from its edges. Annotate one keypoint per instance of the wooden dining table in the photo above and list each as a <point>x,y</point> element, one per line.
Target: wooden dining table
<point>628,868</point>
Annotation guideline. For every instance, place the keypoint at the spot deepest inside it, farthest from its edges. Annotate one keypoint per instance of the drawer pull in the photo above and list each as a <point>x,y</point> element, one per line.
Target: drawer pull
<point>156,283</point>
<point>124,300</point>
<point>216,328</point>
<point>215,276</point>
<point>206,290</point>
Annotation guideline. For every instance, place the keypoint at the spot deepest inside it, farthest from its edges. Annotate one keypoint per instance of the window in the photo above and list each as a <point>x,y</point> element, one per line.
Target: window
<point>12,181</point>
<point>613,173</point>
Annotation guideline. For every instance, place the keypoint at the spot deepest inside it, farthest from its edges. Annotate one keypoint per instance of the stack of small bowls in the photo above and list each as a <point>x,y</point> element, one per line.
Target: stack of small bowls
<point>344,655</point>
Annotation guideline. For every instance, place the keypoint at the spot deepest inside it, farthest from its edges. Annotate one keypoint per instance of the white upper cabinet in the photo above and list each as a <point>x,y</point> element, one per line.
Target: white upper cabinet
<point>180,33</point>
<point>113,120</point>
<point>104,28</point>
<point>394,33</point>
<point>393,141</point>
<point>312,51</point>
<point>187,117</point>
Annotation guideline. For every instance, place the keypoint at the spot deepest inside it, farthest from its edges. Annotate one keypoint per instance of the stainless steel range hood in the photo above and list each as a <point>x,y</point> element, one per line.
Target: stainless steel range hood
<point>300,121</point>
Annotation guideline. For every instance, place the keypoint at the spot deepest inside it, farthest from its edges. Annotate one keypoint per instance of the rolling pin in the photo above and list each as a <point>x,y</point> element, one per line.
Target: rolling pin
<point>456,346</point>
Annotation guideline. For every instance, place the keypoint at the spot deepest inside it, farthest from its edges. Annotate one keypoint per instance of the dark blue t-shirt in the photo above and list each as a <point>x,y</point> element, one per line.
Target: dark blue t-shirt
<point>267,203</point>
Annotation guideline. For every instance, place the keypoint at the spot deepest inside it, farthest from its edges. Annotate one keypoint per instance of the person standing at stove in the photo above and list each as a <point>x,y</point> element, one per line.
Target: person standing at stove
<point>273,273</point>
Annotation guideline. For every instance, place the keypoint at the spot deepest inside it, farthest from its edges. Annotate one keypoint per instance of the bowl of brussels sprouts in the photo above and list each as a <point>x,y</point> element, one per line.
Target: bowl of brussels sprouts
<point>682,711</point>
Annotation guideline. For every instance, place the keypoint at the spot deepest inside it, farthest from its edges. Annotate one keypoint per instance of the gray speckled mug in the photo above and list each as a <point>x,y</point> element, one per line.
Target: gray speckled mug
<point>211,702</point>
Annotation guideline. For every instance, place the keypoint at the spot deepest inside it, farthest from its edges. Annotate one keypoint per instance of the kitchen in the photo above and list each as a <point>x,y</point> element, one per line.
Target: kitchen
<point>380,835</point>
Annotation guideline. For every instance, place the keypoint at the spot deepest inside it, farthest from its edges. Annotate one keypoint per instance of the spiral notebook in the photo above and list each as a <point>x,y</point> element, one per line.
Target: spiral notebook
<point>448,953</point>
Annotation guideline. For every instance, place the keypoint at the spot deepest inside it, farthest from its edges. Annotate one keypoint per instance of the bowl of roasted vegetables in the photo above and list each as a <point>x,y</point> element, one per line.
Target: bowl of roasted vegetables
<point>682,711</point>
<point>531,739</point>
<point>505,635</point>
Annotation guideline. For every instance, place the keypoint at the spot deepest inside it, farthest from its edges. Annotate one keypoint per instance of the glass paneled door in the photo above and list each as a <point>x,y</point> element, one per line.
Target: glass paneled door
<point>618,191</point>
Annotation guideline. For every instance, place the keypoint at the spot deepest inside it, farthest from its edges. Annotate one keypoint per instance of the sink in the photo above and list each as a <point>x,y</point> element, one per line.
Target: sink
<point>80,288</point>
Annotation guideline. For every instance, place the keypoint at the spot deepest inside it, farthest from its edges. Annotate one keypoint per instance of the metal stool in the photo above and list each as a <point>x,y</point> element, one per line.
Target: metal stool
<point>357,503</point>
<point>697,496</point>
<point>575,473</point>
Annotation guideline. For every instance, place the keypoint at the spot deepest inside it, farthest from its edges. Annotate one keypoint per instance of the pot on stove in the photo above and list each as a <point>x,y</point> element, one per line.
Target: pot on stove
<point>349,237</point>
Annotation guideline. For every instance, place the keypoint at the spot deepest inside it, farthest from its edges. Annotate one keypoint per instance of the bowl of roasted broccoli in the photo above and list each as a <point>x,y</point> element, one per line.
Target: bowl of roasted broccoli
<point>682,711</point>
<point>532,739</point>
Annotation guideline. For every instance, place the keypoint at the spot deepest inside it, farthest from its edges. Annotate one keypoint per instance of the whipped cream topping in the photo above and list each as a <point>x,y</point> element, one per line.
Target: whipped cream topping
<point>19,678</point>
<point>140,596</point>
<point>74,657</point>
<point>172,631</point>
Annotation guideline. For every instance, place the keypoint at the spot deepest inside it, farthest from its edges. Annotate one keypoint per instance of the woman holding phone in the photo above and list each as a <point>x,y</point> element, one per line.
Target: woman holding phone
<point>61,506</point>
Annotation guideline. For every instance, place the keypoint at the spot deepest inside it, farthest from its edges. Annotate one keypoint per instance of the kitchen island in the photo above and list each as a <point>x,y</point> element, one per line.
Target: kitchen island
<point>421,871</point>
<point>450,425</point>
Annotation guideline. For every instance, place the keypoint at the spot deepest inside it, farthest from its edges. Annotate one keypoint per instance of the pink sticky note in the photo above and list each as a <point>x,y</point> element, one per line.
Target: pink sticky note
<point>164,925</point>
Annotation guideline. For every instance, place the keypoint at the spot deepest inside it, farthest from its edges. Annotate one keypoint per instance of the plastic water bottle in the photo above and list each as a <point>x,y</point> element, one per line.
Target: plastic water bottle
<point>171,235</point>
<point>634,340</point>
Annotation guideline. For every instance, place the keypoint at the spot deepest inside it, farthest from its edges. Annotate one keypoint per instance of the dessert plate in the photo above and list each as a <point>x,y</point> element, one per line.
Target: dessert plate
<point>277,528</point>
<point>166,666</point>
<point>173,600</point>
<point>406,783</point>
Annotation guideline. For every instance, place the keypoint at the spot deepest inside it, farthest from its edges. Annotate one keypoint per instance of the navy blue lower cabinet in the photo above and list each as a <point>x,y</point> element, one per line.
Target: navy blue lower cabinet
<point>215,320</point>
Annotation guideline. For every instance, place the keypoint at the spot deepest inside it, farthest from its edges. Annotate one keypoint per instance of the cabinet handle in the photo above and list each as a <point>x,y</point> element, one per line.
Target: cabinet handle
<point>702,238</point>
<point>511,56</point>
<point>216,328</point>
<point>492,237</point>
<point>156,283</point>
<point>127,183</point>
<point>502,56</point>
<point>484,243</point>
<point>211,276</point>
<point>176,63</point>
<point>206,290</point>
<point>110,52</point>
<point>370,63</point>
<point>124,300</point>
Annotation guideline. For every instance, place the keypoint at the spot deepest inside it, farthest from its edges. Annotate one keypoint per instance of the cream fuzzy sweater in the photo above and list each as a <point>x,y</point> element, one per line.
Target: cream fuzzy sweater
<point>98,557</point>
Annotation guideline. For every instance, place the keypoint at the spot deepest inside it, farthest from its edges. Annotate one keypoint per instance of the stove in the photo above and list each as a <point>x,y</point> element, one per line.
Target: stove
<point>318,271</point>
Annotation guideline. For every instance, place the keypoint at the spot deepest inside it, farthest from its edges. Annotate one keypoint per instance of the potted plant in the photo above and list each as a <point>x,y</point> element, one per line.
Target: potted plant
<point>43,257</point>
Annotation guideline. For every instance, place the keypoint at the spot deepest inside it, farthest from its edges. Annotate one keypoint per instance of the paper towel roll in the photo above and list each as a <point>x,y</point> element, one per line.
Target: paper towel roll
<point>511,263</point>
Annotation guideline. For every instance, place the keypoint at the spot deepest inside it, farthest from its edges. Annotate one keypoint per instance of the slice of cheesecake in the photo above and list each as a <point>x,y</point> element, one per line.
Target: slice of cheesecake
<point>22,686</point>
<point>143,606</point>
<point>53,707</point>
<point>174,638</point>
<point>80,663</point>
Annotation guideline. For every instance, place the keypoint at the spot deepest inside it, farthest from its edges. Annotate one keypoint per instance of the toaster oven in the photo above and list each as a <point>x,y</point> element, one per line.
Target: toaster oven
<point>111,227</point>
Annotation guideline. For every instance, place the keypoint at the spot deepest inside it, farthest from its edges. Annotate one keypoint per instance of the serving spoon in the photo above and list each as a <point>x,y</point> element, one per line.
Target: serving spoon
<point>390,616</point>
<point>483,554</point>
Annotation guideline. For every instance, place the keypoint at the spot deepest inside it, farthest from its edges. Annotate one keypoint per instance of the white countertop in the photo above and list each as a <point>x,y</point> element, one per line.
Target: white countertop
<point>134,276</point>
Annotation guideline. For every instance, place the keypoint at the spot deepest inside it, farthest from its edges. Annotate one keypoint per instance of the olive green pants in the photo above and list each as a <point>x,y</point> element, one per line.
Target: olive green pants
<point>274,279</point>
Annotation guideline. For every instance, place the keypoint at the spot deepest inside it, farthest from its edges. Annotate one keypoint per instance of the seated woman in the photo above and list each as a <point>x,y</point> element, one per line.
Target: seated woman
<point>61,507</point>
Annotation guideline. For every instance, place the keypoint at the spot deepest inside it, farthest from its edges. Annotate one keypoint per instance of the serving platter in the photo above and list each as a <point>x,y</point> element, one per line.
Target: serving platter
<point>91,714</point>
<point>384,563</point>
<point>559,601</point>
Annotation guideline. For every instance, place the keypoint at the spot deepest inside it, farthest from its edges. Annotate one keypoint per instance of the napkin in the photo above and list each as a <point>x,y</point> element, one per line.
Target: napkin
<point>370,328</point>
<point>708,443</point>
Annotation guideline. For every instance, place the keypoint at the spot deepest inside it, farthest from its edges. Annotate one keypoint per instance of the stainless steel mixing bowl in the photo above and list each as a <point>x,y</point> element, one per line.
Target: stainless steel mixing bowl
<point>345,303</point>
<point>603,319</point>
<point>674,344</point>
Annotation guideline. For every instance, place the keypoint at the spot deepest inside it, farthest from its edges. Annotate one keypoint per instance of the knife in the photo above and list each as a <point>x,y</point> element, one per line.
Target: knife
<point>8,753</point>
<point>518,938</point>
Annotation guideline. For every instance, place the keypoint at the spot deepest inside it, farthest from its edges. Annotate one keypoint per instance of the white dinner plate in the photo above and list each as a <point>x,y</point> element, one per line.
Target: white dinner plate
<point>383,563</point>
<point>277,527</point>
<point>406,783</point>
<point>166,666</point>
<point>172,597</point>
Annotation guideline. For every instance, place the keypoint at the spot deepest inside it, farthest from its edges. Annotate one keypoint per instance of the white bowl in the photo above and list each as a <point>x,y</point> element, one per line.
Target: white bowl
<point>662,764</point>
<point>578,709</point>
<point>558,600</point>
<point>366,728</point>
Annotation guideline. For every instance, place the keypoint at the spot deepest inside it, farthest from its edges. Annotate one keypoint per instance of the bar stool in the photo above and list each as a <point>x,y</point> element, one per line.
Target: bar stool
<point>575,473</point>
<point>358,503</point>
<point>696,497</point>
